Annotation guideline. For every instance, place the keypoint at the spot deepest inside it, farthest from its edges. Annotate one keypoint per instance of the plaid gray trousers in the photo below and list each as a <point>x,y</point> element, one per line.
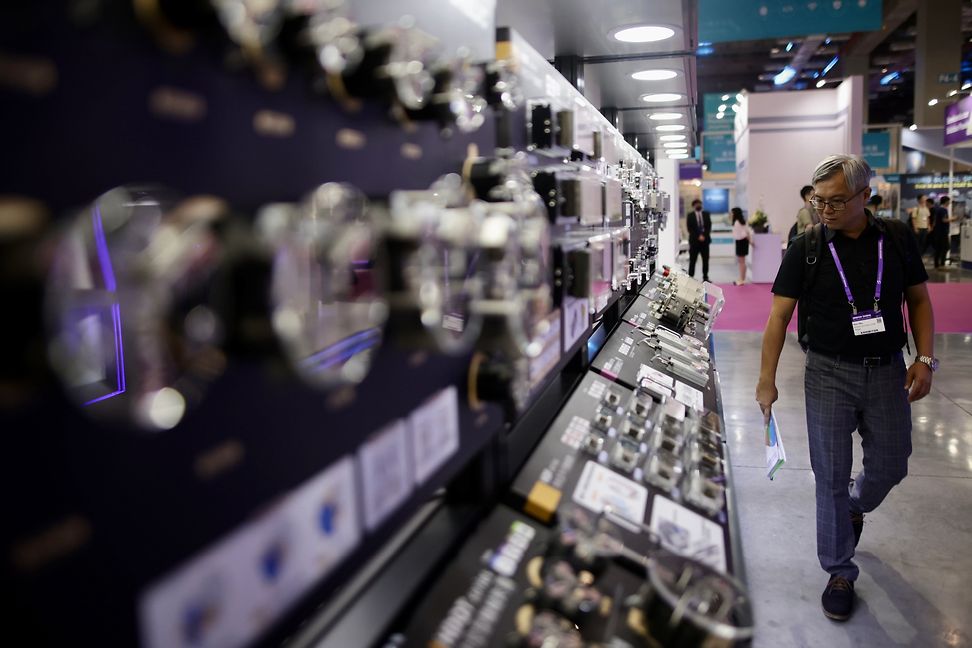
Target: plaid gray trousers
<point>843,396</point>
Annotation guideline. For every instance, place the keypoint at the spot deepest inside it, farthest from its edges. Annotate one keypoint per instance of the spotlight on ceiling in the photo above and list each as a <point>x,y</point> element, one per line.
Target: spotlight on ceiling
<point>661,97</point>
<point>654,75</point>
<point>785,76</point>
<point>643,33</point>
<point>821,83</point>
<point>830,65</point>
<point>913,127</point>
<point>933,102</point>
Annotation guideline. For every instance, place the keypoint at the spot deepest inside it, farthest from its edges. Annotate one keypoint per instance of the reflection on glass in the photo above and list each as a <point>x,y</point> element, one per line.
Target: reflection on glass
<point>328,309</point>
<point>437,232</point>
<point>121,302</point>
<point>516,240</point>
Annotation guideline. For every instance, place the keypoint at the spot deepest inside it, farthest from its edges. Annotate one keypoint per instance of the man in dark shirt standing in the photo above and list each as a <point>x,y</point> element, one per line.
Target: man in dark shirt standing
<point>699,225</point>
<point>855,373</point>
<point>939,234</point>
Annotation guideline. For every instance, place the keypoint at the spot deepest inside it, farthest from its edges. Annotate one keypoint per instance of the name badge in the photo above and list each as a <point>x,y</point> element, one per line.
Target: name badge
<point>867,322</point>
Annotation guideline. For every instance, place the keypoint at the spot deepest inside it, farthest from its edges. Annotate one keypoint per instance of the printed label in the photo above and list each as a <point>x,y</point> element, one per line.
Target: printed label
<point>689,396</point>
<point>687,533</point>
<point>435,433</point>
<point>577,320</point>
<point>386,482</point>
<point>600,488</point>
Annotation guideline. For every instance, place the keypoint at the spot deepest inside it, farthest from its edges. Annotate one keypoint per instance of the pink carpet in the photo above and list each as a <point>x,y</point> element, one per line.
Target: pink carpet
<point>747,307</point>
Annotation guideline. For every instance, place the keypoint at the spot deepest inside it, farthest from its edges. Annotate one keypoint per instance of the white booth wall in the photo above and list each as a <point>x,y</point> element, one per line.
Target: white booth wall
<point>668,182</point>
<point>780,138</point>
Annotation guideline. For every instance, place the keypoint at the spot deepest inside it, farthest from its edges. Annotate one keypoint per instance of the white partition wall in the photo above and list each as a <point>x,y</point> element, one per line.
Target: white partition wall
<point>780,138</point>
<point>668,182</point>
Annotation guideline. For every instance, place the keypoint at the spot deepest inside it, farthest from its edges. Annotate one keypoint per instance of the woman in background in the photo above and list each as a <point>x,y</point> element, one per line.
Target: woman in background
<point>744,238</point>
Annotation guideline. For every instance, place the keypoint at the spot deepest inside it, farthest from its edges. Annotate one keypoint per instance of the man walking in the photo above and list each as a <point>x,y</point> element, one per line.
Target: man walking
<point>855,373</point>
<point>699,225</point>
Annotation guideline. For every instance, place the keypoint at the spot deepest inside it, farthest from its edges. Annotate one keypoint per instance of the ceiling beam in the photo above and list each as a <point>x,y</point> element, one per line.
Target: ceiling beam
<point>895,14</point>
<point>645,56</point>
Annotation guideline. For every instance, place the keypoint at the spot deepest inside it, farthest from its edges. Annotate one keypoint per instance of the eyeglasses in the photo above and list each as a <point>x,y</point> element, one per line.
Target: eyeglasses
<point>836,204</point>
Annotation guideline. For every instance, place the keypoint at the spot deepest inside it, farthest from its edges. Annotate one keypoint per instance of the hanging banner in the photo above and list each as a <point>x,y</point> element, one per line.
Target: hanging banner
<point>876,150</point>
<point>958,122</point>
<point>933,186</point>
<point>739,20</point>
<point>690,171</point>
<point>719,152</point>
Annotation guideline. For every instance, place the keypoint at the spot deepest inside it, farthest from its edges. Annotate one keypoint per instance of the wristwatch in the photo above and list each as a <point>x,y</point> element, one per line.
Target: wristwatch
<point>928,360</point>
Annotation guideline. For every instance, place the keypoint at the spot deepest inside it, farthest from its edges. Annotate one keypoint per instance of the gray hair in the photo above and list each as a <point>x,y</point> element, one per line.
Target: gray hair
<point>857,173</point>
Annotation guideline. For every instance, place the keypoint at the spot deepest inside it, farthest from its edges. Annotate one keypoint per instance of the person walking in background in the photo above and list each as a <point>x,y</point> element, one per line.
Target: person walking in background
<point>874,204</point>
<point>743,236</point>
<point>939,231</point>
<point>852,329</point>
<point>699,225</point>
<point>806,217</point>
<point>955,233</point>
<point>920,217</point>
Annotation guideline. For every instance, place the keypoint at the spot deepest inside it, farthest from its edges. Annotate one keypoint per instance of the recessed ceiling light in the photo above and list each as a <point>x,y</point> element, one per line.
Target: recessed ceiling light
<point>821,83</point>
<point>739,96</point>
<point>913,127</point>
<point>643,33</point>
<point>678,156</point>
<point>722,107</point>
<point>932,102</point>
<point>671,127</point>
<point>654,75</point>
<point>665,116</point>
<point>673,144</point>
<point>671,138</point>
<point>661,97</point>
<point>725,97</point>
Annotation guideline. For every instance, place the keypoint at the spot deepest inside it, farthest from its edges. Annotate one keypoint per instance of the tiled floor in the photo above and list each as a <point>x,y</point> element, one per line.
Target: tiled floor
<point>915,587</point>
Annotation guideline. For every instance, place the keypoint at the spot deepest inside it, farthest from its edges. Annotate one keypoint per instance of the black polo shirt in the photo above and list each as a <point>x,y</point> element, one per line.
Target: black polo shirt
<point>829,324</point>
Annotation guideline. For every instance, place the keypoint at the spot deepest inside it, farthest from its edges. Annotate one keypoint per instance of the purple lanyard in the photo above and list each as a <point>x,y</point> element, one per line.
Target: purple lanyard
<point>843,277</point>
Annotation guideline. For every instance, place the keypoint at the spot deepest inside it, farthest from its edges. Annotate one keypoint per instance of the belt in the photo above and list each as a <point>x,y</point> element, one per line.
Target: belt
<point>864,361</point>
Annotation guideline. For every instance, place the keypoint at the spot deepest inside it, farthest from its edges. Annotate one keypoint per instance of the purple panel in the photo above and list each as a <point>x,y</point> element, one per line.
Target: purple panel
<point>957,122</point>
<point>690,171</point>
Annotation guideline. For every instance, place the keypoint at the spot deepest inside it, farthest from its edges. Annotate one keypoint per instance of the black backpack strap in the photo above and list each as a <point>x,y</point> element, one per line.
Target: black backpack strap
<point>812,248</point>
<point>897,231</point>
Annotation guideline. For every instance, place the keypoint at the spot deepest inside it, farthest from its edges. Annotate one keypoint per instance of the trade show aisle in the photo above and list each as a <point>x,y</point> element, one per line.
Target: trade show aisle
<point>914,559</point>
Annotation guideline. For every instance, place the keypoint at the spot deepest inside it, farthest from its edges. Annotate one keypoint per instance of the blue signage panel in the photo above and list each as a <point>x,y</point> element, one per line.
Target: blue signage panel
<point>712,102</point>
<point>715,201</point>
<point>735,20</point>
<point>876,150</point>
<point>719,152</point>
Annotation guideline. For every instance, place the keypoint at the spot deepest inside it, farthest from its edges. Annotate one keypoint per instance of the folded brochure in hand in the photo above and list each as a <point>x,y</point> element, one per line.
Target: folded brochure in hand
<point>775,453</point>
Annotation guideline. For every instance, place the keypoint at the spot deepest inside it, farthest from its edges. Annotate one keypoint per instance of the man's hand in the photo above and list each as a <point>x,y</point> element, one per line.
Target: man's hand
<point>766,395</point>
<point>702,237</point>
<point>918,381</point>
